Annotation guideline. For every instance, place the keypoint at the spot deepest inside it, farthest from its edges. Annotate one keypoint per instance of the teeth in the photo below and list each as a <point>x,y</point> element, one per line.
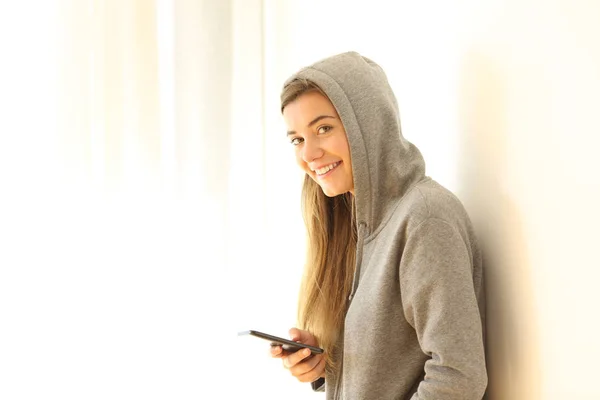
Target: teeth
<point>326,169</point>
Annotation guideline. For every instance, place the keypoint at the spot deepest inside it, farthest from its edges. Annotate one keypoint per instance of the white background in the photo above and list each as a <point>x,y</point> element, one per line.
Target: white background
<point>149,203</point>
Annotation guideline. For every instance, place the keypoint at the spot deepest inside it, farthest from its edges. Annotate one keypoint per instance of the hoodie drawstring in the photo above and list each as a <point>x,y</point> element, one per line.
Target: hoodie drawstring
<point>359,249</point>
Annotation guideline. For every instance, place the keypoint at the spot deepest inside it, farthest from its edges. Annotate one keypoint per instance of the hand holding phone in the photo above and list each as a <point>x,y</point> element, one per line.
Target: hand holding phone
<point>303,363</point>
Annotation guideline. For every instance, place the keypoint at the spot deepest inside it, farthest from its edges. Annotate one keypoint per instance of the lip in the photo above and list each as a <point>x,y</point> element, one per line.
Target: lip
<point>325,175</point>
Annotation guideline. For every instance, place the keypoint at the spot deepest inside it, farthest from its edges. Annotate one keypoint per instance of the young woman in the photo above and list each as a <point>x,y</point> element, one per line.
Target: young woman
<point>393,282</point>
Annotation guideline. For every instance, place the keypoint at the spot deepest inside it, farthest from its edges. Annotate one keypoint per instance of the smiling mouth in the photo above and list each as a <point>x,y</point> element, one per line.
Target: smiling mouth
<point>322,172</point>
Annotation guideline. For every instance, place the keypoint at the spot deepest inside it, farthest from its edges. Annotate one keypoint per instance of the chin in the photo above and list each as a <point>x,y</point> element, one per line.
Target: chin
<point>331,192</point>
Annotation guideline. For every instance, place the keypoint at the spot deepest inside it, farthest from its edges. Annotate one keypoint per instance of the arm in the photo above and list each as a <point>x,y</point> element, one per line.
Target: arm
<point>439,302</point>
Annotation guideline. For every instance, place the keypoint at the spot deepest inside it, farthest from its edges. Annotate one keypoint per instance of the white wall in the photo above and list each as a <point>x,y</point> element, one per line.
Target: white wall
<point>502,98</point>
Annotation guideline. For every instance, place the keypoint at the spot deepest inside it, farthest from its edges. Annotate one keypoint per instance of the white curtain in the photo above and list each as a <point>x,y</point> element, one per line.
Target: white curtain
<point>124,175</point>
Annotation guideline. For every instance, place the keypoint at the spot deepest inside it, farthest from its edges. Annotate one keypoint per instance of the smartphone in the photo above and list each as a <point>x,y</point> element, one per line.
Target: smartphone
<point>287,345</point>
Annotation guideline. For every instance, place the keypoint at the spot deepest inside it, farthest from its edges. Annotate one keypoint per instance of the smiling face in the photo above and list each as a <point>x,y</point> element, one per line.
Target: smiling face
<point>319,139</point>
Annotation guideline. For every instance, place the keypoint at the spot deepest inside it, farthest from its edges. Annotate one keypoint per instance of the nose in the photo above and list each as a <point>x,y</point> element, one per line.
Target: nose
<point>311,150</point>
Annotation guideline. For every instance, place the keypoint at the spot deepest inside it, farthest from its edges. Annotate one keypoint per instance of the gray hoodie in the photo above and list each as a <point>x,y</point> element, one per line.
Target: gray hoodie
<point>414,326</point>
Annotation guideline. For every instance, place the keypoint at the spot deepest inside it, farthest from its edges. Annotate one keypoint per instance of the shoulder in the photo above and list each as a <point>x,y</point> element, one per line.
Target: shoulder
<point>429,200</point>
<point>441,202</point>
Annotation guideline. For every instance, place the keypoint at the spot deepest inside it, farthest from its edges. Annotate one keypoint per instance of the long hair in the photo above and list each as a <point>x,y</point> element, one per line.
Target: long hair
<point>330,261</point>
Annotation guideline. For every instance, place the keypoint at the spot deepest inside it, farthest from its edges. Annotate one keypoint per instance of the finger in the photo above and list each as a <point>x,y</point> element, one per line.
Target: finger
<point>276,351</point>
<point>295,358</point>
<point>279,352</point>
<point>315,373</point>
<point>295,334</point>
<point>305,366</point>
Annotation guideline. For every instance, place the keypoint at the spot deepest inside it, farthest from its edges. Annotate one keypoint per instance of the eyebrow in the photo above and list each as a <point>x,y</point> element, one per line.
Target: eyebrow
<point>311,123</point>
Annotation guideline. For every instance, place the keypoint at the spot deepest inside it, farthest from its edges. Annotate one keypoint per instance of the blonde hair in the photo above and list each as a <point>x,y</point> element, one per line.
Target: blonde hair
<point>330,262</point>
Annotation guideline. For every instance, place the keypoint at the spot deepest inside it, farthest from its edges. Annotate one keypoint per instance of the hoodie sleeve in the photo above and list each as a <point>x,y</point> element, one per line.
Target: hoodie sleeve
<point>439,302</point>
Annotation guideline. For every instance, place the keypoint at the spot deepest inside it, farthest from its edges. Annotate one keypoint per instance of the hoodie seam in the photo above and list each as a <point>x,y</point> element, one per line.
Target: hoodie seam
<point>432,219</point>
<point>450,225</point>
<point>375,233</point>
<point>425,201</point>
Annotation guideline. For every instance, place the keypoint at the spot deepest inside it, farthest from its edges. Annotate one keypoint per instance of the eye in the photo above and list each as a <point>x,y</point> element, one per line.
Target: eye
<point>324,129</point>
<point>296,141</point>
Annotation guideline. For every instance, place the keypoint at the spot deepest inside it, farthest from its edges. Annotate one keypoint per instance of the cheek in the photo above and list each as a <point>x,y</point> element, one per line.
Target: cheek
<point>299,161</point>
<point>343,149</point>
<point>345,153</point>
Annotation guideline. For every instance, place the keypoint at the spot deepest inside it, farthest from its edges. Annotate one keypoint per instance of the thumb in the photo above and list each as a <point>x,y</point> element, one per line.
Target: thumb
<point>298,335</point>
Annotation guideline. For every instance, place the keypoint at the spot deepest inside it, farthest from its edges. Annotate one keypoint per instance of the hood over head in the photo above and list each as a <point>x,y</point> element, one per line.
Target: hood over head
<point>384,164</point>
